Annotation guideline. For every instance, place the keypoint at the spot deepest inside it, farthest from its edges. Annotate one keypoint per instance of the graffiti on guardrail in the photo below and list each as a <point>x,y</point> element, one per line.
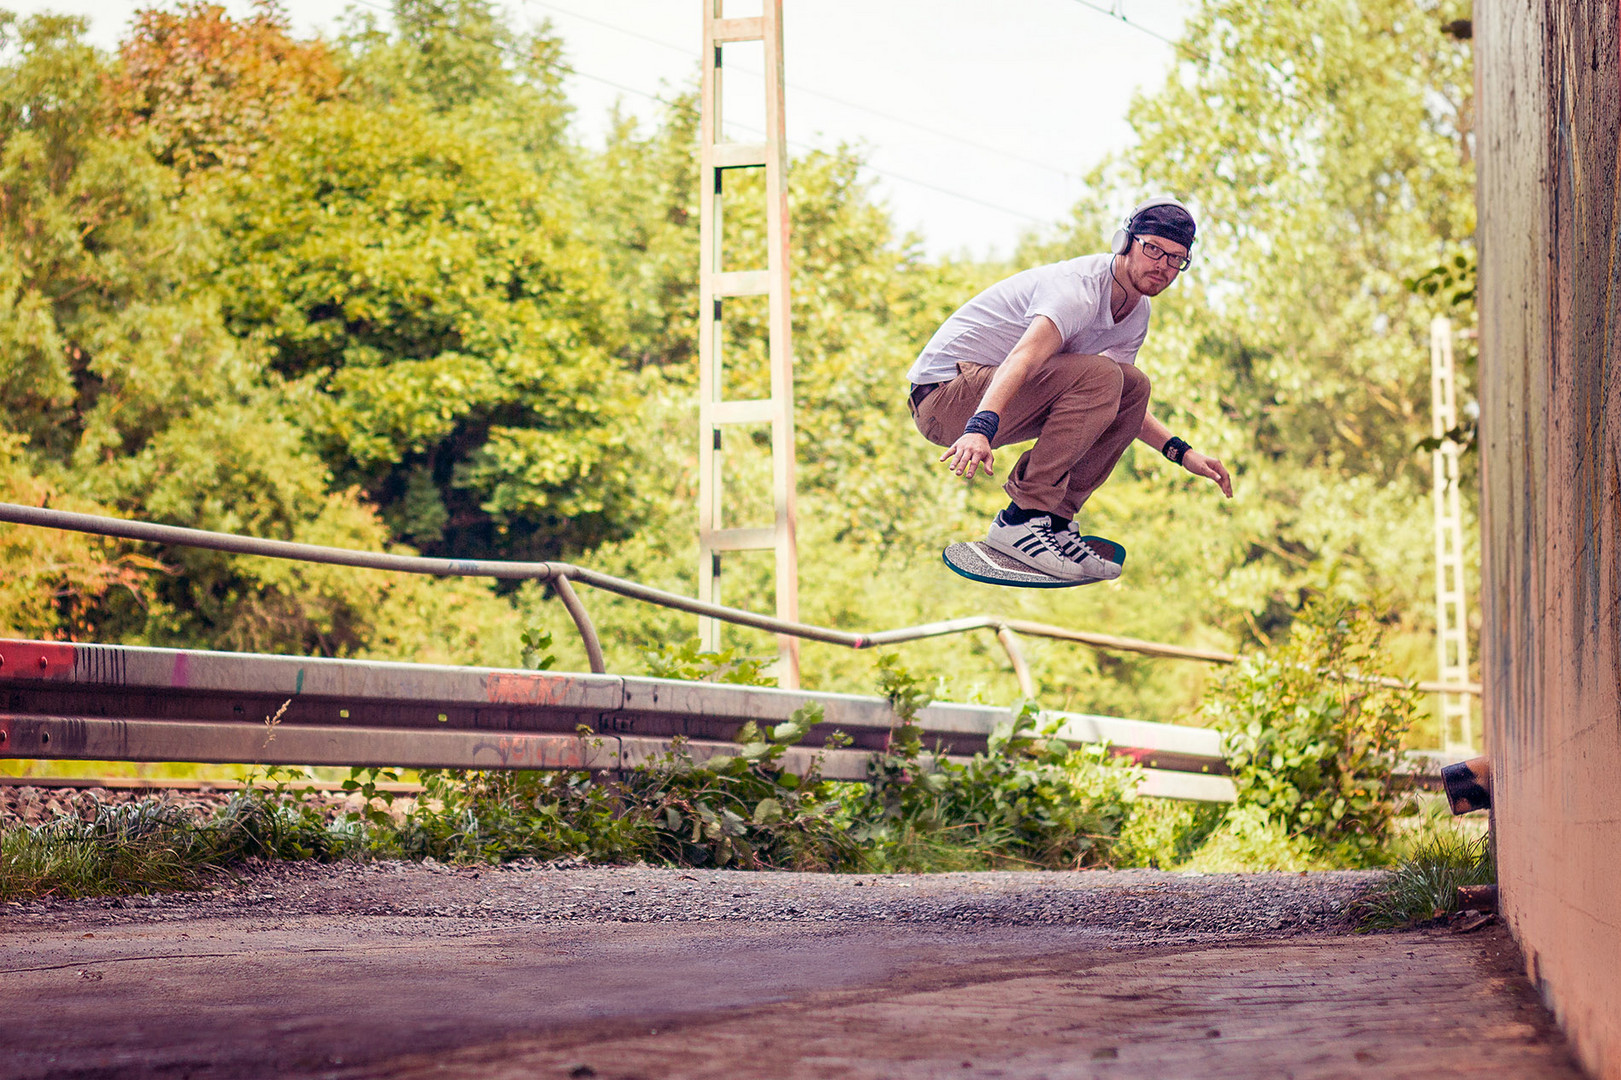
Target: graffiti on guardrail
<point>554,752</point>
<point>526,688</point>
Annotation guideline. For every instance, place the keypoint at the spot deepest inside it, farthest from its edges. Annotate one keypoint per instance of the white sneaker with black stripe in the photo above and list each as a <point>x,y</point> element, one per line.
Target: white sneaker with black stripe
<point>1038,546</point>
<point>1097,562</point>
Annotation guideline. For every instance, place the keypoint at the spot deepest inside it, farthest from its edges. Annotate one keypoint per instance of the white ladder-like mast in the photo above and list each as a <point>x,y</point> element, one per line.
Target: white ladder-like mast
<point>1451,606</point>
<point>715,283</point>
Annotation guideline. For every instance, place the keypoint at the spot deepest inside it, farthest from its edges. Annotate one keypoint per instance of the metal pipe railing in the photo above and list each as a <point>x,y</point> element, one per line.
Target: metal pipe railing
<point>559,575</point>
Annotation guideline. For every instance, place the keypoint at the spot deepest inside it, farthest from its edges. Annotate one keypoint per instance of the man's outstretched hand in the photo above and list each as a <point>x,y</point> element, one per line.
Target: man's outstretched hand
<point>969,453</point>
<point>1208,467</point>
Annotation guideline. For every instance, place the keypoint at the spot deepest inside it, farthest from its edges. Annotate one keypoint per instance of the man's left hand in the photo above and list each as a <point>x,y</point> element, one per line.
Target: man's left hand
<point>1210,468</point>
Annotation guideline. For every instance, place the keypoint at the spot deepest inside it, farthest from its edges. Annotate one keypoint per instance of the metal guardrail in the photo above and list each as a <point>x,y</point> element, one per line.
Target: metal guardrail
<point>560,574</point>
<point>126,703</point>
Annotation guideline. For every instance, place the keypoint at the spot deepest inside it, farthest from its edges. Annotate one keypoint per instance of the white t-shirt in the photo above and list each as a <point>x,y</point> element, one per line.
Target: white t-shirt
<point>1074,294</point>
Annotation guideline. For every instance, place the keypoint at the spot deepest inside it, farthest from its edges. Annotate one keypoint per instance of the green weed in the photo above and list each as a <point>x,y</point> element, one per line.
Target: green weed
<point>689,662</point>
<point>741,809</point>
<point>536,652</point>
<point>1029,800</point>
<point>1164,833</point>
<point>1425,884</point>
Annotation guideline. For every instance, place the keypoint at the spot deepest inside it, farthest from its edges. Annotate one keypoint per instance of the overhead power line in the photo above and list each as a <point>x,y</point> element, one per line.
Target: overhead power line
<point>891,117</point>
<point>1117,13</point>
<point>569,70</point>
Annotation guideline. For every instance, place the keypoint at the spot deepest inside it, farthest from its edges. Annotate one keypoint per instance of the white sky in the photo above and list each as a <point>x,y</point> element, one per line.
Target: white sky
<point>1002,103</point>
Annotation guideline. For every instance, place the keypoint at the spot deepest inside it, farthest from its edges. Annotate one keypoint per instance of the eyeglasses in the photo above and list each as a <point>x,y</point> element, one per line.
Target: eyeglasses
<point>1155,252</point>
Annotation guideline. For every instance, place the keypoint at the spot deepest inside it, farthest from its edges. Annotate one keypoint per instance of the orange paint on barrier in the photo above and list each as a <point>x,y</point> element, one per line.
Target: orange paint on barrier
<point>525,688</point>
<point>543,752</point>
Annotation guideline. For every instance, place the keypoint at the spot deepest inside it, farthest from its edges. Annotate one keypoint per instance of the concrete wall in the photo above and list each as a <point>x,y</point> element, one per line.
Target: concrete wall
<point>1549,108</point>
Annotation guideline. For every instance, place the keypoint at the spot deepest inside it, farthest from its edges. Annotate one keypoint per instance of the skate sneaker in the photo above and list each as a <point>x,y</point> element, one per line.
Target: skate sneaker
<point>1037,545</point>
<point>1100,558</point>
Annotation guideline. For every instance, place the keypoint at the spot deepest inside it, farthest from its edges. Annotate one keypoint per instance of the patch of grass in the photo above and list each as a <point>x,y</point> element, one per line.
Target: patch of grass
<point>137,848</point>
<point>1424,885</point>
<point>149,847</point>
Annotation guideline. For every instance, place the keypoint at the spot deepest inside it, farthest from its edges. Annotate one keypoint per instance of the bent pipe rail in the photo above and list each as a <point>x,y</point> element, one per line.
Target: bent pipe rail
<point>559,575</point>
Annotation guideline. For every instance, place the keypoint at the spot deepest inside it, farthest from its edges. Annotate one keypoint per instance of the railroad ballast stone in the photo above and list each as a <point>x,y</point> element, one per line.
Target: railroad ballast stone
<point>1153,904</point>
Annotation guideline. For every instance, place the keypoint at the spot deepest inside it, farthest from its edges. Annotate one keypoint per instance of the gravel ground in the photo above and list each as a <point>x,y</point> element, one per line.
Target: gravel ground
<point>1143,901</point>
<point>31,805</point>
<point>1165,906</point>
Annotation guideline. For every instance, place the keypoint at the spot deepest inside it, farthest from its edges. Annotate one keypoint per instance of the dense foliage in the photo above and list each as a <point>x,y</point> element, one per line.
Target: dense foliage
<point>1029,799</point>
<point>374,292</point>
<point>1312,737</point>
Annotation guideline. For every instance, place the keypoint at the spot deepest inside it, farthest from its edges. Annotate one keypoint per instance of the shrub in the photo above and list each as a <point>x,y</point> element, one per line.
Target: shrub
<point>1311,742</point>
<point>1029,799</point>
<point>742,809</point>
<point>496,816</point>
<point>1164,833</point>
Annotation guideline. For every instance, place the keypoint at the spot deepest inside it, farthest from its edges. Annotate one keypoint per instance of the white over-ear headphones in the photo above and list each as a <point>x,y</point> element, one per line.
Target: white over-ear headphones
<point>1122,236</point>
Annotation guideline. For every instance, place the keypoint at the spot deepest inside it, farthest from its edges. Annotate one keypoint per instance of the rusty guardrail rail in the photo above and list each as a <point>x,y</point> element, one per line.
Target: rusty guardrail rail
<point>129,703</point>
<point>560,574</point>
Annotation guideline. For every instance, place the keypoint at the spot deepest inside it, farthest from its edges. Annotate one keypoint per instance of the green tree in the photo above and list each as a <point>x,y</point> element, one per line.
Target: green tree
<point>1326,144</point>
<point>418,279</point>
<point>124,392</point>
<point>1326,148</point>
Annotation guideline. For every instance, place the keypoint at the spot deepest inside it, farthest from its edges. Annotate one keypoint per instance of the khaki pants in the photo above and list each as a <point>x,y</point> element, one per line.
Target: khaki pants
<point>1083,411</point>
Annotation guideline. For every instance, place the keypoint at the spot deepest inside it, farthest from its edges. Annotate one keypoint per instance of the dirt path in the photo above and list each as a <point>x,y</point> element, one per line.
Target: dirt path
<point>406,972</point>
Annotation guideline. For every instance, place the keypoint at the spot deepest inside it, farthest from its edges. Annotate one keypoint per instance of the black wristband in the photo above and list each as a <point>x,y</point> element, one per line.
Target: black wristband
<point>985,422</point>
<point>1174,449</point>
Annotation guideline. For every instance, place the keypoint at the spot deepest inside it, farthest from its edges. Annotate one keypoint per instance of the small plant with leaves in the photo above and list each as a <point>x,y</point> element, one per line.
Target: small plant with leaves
<point>690,663</point>
<point>363,783</point>
<point>537,649</point>
<point>1029,799</point>
<point>500,815</point>
<point>904,780</point>
<point>741,809</point>
<point>1044,801</point>
<point>1312,738</point>
<point>1164,833</point>
<point>744,809</point>
<point>279,815</point>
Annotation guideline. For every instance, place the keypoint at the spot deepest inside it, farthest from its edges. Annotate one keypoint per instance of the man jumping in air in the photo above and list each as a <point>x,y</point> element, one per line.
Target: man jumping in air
<point>1050,354</point>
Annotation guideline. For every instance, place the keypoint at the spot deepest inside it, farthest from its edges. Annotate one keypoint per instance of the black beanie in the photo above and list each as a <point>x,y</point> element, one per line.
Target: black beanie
<point>1171,222</point>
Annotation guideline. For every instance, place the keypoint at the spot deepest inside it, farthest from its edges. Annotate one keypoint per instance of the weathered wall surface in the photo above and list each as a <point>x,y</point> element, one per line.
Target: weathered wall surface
<point>1549,107</point>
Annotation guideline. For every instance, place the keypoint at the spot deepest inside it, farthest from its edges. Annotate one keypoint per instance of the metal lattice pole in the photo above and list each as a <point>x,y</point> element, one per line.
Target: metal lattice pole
<point>1451,609</point>
<point>715,284</point>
